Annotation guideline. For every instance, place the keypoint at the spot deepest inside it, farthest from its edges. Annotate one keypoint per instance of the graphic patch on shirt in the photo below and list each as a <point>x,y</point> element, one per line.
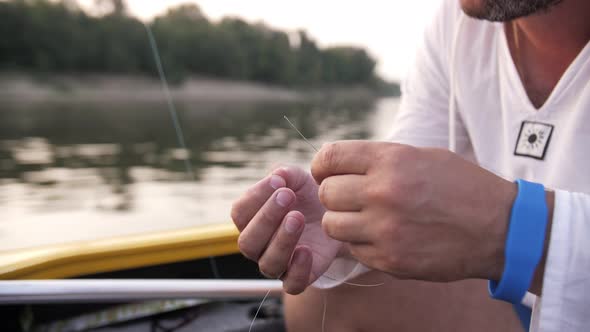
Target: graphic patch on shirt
<point>533,139</point>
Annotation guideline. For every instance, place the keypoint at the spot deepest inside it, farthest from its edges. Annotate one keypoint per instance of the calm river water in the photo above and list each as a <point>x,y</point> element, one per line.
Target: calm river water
<point>73,172</point>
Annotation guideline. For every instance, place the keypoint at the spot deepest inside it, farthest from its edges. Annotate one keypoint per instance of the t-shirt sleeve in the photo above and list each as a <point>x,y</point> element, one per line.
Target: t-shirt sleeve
<point>565,301</point>
<point>422,119</point>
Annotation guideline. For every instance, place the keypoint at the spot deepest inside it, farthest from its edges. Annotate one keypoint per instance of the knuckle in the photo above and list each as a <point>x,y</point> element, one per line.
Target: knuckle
<point>284,245</point>
<point>392,236</point>
<point>407,151</point>
<point>323,193</point>
<point>331,225</point>
<point>398,185</point>
<point>246,248</point>
<point>292,290</point>
<point>397,155</point>
<point>330,155</point>
<point>387,192</point>
<point>236,215</point>
<point>264,273</point>
<point>295,285</point>
<point>326,226</point>
<point>398,262</point>
<point>392,191</point>
<point>269,268</point>
<point>265,216</point>
<point>252,193</point>
<point>377,193</point>
<point>396,194</point>
<point>407,191</point>
<point>394,263</point>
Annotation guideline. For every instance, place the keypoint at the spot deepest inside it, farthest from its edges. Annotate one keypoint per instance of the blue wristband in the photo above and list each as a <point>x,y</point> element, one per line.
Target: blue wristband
<point>524,243</point>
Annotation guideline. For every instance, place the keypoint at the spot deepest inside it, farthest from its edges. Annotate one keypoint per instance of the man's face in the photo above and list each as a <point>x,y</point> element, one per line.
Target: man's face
<point>504,10</point>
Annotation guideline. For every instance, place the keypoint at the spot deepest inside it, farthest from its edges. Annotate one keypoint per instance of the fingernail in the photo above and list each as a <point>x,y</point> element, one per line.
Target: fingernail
<point>284,199</point>
<point>292,225</point>
<point>277,182</point>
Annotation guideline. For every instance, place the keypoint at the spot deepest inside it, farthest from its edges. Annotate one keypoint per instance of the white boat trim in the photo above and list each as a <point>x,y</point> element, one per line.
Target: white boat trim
<point>113,290</point>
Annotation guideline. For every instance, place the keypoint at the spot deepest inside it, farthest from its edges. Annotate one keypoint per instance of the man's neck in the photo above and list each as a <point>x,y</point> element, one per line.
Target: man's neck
<point>564,28</point>
<point>543,45</point>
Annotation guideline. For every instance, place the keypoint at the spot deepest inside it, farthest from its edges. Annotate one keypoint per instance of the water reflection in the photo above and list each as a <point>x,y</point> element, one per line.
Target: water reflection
<point>117,169</point>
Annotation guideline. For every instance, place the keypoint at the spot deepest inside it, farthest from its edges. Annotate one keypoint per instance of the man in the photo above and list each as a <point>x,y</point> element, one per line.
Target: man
<point>505,85</point>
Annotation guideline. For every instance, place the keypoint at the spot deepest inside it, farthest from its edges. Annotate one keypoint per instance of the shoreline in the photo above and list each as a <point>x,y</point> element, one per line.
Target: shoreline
<point>18,88</point>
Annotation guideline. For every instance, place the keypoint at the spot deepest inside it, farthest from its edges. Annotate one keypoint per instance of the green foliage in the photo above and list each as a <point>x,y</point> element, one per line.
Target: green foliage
<point>346,65</point>
<point>56,36</point>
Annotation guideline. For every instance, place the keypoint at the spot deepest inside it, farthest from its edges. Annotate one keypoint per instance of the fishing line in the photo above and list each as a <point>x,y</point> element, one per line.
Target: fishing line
<point>189,171</point>
<point>324,275</point>
<point>325,297</point>
<point>189,168</point>
<point>351,283</point>
<point>325,300</point>
<point>176,123</point>
<point>258,310</point>
<point>300,134</point>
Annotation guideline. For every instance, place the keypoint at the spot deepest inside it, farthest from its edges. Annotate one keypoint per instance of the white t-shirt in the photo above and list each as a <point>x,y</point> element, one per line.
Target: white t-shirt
<point>465,65</point>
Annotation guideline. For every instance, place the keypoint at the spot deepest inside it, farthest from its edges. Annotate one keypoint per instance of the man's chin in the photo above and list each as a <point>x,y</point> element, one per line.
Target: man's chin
<point>505,10</point>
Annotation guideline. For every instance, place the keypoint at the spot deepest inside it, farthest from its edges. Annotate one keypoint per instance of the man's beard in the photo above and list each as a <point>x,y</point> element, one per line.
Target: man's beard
<point>506,10</point>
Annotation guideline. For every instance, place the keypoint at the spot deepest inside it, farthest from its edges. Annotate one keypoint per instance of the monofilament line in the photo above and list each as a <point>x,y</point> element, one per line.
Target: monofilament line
<point>258,310</point>
<point>300,133</point>
<point>175,122</point>
<point>171,108</point>
<point>351,283</point>
<point>324,275</point>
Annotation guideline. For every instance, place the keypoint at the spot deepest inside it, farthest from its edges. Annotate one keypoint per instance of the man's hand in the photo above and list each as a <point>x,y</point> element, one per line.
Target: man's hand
<point>279,219</point>
<point>414,213</point>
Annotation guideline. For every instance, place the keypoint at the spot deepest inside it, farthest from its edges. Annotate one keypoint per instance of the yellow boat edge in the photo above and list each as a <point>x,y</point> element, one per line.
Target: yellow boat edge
<point>119,253</point>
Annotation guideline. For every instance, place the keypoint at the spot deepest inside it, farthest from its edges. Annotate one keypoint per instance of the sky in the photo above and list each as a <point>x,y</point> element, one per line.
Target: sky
<point>389,29</point>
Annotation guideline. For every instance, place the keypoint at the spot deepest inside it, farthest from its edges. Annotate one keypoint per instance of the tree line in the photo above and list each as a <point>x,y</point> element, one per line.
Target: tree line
<point>58,36</point>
